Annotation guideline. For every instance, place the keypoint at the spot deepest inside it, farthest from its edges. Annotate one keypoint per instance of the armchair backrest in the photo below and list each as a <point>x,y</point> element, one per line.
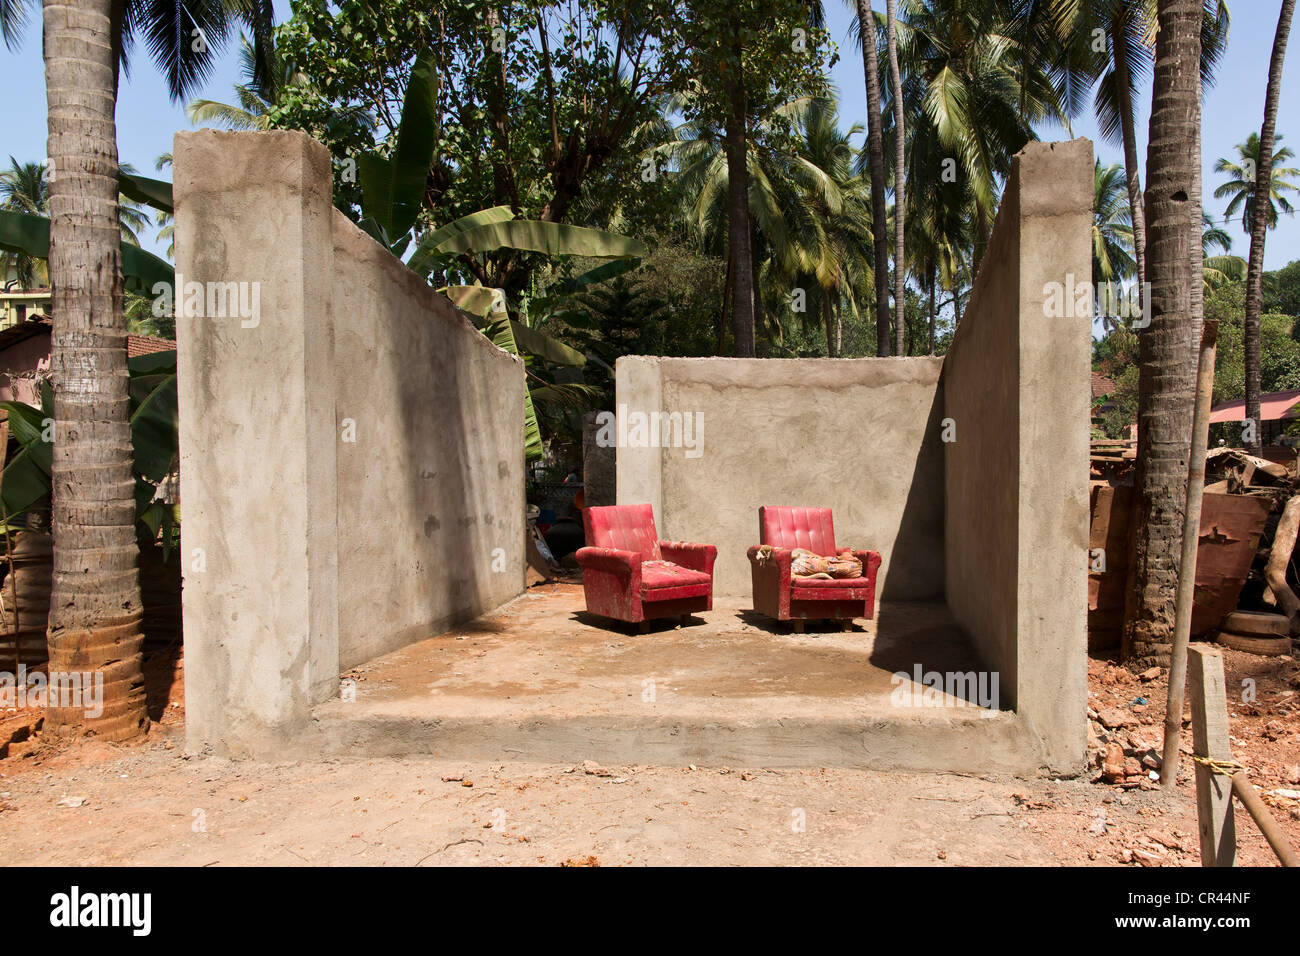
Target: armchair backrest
<point>625,527</point>
<point>807,528</point>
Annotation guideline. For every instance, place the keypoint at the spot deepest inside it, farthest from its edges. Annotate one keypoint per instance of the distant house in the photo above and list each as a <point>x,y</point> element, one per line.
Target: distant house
<point>18,305</point>
<point>1103,390</point>
<point>25,352</point>
<point>1277,411</point>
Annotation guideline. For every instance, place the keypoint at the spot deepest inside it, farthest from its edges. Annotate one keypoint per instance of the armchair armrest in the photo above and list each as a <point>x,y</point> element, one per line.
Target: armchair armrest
<point>609,559</point>
<point>697,557</point>
<point>763,554</point>
<point>870,562</point>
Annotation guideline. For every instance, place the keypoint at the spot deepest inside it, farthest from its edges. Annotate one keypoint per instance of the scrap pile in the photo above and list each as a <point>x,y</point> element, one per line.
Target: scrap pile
<point>1249,521</point>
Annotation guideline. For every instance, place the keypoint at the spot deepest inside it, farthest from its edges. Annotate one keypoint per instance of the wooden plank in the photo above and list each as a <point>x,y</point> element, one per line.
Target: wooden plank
<point>1209,695</point>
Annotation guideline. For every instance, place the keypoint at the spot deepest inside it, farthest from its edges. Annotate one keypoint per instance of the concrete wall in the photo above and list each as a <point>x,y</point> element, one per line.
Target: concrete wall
<point>352,457</point>
<point>433,484</point>
<point>860,436</point>
<point>1016,384</point>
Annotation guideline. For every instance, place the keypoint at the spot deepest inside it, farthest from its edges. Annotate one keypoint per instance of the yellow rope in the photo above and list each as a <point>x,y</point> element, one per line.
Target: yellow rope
<point>1224,767</point>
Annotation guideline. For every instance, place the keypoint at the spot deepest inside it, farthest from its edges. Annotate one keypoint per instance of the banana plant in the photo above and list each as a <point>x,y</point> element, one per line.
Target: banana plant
<point>155,430</point>
<point>392,195</point>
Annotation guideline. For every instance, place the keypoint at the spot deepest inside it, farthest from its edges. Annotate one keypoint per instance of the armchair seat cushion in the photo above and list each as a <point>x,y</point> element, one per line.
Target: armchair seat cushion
<point>843,589</point>
<point>829,583</point>
<point>656,575</point>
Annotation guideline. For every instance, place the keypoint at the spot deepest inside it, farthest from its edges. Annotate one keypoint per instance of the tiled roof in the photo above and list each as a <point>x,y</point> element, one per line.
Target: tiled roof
<point>147,345</point>
<point>1101,385</point>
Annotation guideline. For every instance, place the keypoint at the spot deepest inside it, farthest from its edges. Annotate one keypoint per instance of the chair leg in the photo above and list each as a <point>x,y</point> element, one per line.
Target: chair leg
<point>797,625</point>
<point>644,627</point>
<point>686,619</point>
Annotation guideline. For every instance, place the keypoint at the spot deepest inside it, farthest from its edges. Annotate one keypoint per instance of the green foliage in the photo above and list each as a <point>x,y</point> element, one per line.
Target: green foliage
<point>1282,290</point>
<point>1279,358</point>
<point>155,431</point>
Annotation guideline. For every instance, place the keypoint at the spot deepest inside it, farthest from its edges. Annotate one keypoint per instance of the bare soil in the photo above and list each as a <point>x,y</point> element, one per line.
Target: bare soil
<point>151,803</point>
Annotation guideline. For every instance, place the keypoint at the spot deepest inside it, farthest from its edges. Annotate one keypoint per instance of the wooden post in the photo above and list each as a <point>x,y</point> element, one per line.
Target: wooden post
<point>1210,739</point>
<point>1187,566</point>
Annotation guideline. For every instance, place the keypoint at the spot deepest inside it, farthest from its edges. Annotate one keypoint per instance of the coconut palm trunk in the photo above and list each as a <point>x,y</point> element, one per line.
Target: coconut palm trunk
<point>95,611</point>
<point>1259,220</point>
<point>1124,93</point>
<point>876,163</point>
<point>828,321</point>
<point>900,199</point>
<point>1168,346</point>
<point>933,282</point>
<point>742,252</point>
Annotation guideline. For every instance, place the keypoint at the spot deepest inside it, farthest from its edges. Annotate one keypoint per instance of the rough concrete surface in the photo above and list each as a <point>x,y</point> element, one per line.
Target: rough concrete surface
<point>352,457</point>
<point>859,436</point>
<point>1016,386</point>
<point>542,680</point>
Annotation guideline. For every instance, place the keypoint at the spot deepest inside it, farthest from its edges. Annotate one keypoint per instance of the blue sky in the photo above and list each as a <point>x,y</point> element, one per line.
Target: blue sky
<point>147,119</point>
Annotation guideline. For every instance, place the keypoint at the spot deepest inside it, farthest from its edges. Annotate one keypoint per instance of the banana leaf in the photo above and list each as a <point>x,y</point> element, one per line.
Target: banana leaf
<point>544,346</point>
<point>550,238</point>
<point>30,235</point>
<point>155,415</point>
<point>610,270</point>
<point>151,192</point>
<point>428,251</point>
<point>501,333</point>
<point>392,188</point>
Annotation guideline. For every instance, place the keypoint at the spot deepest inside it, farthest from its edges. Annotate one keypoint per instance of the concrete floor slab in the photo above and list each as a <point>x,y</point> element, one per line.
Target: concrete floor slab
<point>541,680</point>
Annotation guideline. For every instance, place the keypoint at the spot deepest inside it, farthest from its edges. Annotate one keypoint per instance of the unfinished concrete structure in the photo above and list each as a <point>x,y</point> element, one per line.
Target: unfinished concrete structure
<point>968,473</point>
<point>351,447</point>
<point>353,488</point>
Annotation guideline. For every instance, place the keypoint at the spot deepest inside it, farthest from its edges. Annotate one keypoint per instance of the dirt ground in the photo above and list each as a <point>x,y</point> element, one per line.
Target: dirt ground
<point>151,803</point>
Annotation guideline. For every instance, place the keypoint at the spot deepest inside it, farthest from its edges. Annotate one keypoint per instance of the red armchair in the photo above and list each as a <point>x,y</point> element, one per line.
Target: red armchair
<point>630,575</point>
<point>781,595</point>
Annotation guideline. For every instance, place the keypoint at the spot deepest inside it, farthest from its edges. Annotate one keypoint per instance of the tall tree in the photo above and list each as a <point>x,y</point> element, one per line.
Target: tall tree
<point>876,161</point>
<point>1239,188</point>
<point>1168,346</point>
<point>95,612</point>
<point>761,52</point>
<point>1110,41</point>
<point>1127,25</point>
<point>95,609</point>
<point>900,189</point>
<point>1112,231</point>
<point>1259,217</point>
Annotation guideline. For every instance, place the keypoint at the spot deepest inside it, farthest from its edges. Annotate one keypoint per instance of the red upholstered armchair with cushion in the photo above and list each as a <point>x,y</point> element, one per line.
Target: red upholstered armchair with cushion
<point>780,594</point>
<point>630,575</point>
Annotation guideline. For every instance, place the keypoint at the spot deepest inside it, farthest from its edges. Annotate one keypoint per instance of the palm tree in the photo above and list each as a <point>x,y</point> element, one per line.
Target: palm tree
<point>1223,267</point>
<point>1241,183</point>
<point>1243,179</point>
<point>875,152</point>
<point>1168,346</point>
<point>1262,212</point>
<point>828,218</point>
<point>1113,257</point>
<point>900,197</point>
<point>95,609</point>
<point>808,213</point>
<point>1127,25</point>
<point>256,97</point>
<point>979,88</point>
<point>1128,28</point>
<point>25,187</point>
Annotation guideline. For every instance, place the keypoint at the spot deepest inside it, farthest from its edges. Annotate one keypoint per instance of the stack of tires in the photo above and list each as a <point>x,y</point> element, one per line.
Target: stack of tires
<point>1256,632</point>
